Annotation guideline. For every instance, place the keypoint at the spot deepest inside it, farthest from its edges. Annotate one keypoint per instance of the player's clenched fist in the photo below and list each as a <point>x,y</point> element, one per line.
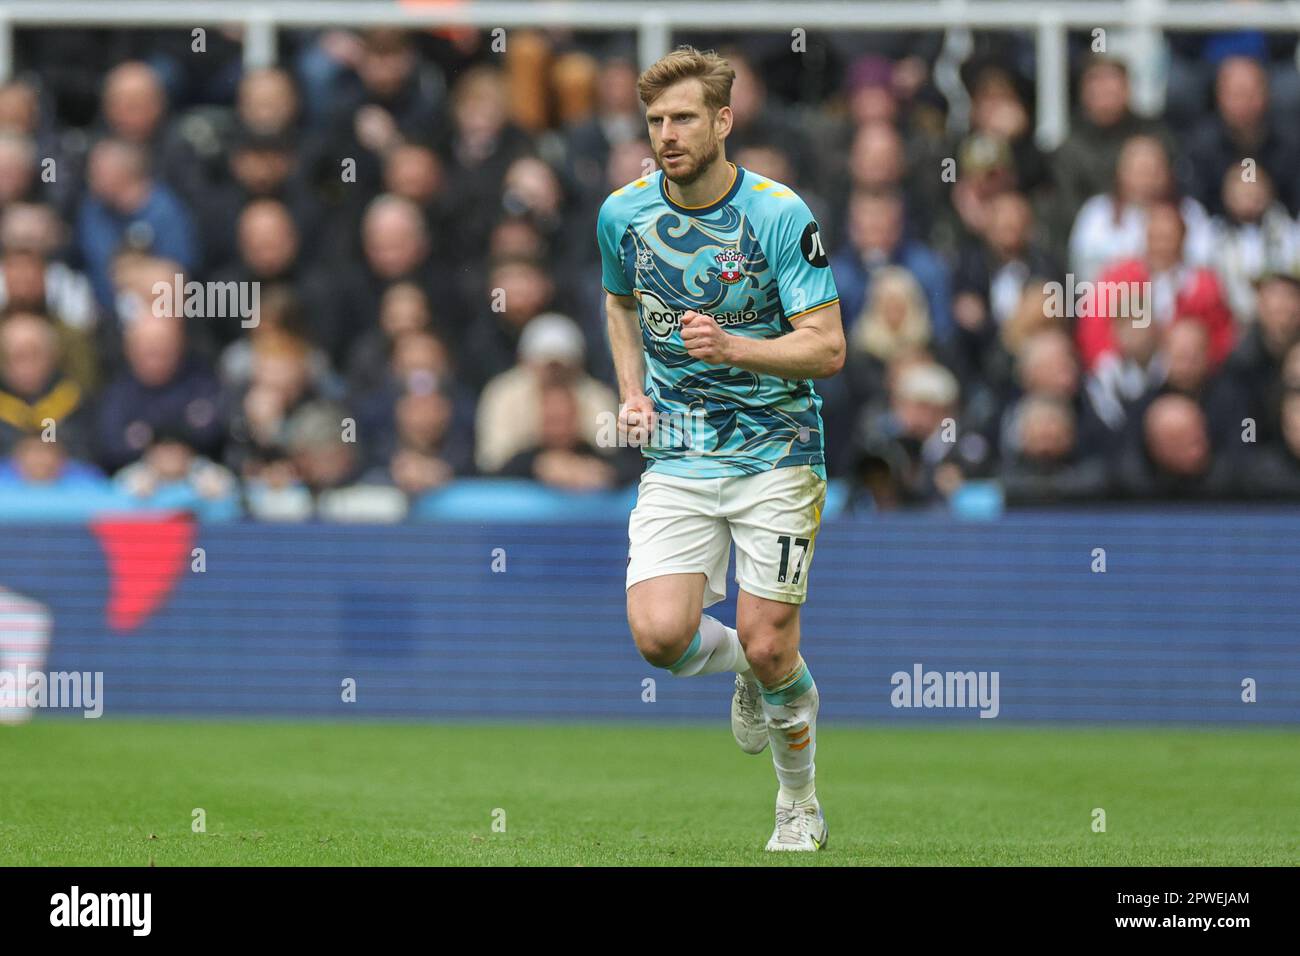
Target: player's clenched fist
<point>704,339</point>
<point>636,420</point>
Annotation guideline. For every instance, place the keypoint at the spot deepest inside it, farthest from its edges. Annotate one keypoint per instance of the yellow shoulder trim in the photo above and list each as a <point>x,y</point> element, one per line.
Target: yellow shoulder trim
<point>813,309</point>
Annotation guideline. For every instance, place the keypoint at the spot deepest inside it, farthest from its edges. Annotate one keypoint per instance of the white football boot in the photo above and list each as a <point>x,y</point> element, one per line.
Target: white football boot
<point>799,827</point>
<point>748,723</point>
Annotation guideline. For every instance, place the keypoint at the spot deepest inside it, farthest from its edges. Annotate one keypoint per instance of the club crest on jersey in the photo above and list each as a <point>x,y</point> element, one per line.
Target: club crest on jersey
<point>644,259</point>
<point>730,260</point>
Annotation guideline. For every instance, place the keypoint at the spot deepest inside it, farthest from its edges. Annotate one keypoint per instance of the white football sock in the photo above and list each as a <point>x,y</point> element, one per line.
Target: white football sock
<point>715,649</point>
<point>791,709</point>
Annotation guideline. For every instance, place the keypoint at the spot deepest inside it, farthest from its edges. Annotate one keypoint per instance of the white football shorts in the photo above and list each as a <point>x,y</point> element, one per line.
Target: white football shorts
<point>680,525</point>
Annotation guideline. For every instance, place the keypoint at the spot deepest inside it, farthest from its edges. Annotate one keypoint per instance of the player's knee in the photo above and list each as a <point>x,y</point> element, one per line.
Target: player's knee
<point>661,638</point>
<point>768,656</point>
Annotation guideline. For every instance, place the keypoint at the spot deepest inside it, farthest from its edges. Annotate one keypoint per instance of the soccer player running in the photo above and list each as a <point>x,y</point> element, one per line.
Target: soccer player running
<point>721,309</point>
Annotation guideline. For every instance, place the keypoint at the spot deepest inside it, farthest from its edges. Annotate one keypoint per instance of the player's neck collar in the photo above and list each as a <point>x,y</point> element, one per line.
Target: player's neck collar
<point>737,174</point>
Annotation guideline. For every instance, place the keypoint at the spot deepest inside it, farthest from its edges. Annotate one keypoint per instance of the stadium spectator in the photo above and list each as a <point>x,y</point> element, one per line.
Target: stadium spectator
<point>1113,225</point>
<point>518,291</point>
<point>897,93</point>
<point>162,386</point>
<point>1046,466</point>
<point>33,463</point>
<point>37,395</point>
<point>322,456</point>
<point>18,178</point>
<point>999,110</point>
<point>403,309</point>
<point>1253,236</point>
<point>560,456</point>
<point>532,191</point>
<point>61,291</point>
<point>1275,471</point>
<point>282,379</point>
<point>1256,365</point>
<point>1046,367</point>
<point>22,116</point>
<point>424,454</point>
<point>420,271</point>
<point>913,439</point>
<point>1173,458</point>
<point>171,475</point>
<point>260,167</point>
<point>1126,374</point>
<point>877,163</point>
<point>572,79</point>
<point>327,466</point>
<point>267,103</point>
<point>996,268</point>
<point>134,111</point>
<point>24,280</point>
<point>984,170</point>
<point>144,283</point>
<point>420,364</point>
<point>617,121</point>
<point>266,250</point>
<point>1160,287</point>
<point>869,91</point>
<point>551,351</point>
<point>987,366</point>
<point>483,145</point>
<point>125,207</point>
<point>274,492</point>
<point>759,121</point>
<point>1084,164</point>
<point>397,101</point>
<point>894,325</point>
<point>415,172</point>
<point>396,249</point>
<point>279,315</point>
<point>877,240</point>
<point>1191,371</point>
<point>1241,129</point>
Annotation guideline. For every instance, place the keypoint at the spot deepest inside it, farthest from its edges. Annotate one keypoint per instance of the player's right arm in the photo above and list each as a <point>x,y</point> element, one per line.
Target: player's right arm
<point>623,322</point>
<point>636,410</point>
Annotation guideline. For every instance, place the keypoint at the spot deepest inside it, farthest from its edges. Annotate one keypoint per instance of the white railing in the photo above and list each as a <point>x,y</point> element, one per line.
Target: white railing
<point>1136,25</point>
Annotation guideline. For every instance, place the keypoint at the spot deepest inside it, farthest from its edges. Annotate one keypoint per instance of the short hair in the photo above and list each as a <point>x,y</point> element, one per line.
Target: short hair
<point>714,73</point>
<point>1104,61</point>
<point>135,156</point>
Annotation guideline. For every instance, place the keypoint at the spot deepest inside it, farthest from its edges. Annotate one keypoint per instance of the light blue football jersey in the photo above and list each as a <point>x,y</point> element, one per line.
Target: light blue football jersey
<point>753,259</point>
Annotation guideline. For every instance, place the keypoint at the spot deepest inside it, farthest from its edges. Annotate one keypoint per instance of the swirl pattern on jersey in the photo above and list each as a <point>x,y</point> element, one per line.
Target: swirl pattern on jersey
<point>741,421</point>
<point>684,273</point>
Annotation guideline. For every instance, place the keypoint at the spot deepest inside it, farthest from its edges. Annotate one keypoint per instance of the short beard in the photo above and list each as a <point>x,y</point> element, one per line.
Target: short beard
<point>709,157</point>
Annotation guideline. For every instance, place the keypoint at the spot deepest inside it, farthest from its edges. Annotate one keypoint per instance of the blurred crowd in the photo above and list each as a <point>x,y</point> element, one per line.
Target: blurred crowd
<point>416,211</point>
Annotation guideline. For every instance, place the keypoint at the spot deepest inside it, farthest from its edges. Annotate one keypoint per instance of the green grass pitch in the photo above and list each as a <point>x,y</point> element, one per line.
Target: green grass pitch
<point>122,792</point>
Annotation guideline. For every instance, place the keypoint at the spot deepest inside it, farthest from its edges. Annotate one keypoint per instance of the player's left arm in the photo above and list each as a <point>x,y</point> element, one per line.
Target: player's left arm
<point>815,346</point>
<point>815,349</point>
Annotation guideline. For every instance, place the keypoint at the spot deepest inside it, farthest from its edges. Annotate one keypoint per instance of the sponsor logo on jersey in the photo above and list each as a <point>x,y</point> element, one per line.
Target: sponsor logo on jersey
<point>662,320</point>
<point>810,244</point>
